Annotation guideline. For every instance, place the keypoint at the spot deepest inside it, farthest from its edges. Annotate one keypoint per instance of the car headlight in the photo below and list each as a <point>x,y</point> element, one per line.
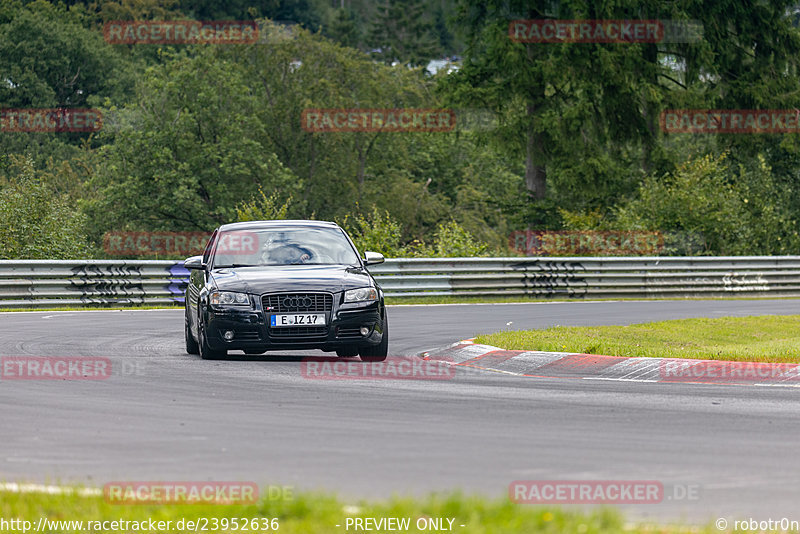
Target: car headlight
<point>229,298</point>
<point>361,295</point>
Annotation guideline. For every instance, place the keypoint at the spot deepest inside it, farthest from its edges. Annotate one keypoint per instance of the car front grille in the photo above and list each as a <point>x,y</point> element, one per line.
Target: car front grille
<point>298,303</point>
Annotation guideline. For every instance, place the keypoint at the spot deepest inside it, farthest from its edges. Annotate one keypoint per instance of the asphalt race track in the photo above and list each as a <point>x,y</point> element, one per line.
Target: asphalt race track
<point>166,415</point>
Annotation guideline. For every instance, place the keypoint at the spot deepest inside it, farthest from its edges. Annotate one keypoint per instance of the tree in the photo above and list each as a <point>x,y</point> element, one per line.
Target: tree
<point>52,62</point>
<point>108,10</point>
<point>308,72</point>
<point>187,151</point>
<point>403,33</point>
<point>343,29</point>
<point>307,13</point>
<point>49,59</point>
<point>442,11</point>
<point>37,223</point>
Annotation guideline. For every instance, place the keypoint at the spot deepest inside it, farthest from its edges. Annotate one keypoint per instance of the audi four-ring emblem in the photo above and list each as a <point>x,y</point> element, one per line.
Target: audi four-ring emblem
<point>298,302</point>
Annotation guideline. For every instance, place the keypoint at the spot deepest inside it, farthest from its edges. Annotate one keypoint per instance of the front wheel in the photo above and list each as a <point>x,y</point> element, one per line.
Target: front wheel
<point>206,352</point>
<point>379,352</point>
<point>191,344</point>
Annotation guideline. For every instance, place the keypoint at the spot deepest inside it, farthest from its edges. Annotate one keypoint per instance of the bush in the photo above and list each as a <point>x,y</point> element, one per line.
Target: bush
<point>737,212</point>
<point>266,208</point>
<point>37,223</point>
<point>377,231</point>
<point>453,241</point>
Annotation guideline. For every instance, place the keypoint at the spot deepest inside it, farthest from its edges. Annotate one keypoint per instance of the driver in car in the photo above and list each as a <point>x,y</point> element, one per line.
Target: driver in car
<point>279,250</point>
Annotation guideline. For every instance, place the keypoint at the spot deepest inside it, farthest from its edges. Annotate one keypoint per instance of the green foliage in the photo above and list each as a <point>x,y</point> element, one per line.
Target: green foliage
<point>736,211</point>
<point>584,118</point>
<point>307,13</point>
<point>379,232</point>
<point>584,220</point>
<point>453,241</point>
<point>187,151</point>
<point>108,10</point>
<point>265,208</point>
<point>343,28</point>
<point>404,33</point>
<point>375,231</point>
<point>192,132</point>
<point>38,224</point>
<point>338,170</point>
<point>48,60</point>
<point>211,127</point>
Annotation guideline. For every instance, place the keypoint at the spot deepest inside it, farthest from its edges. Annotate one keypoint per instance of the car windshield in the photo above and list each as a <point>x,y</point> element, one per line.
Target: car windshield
<point>283,246</point>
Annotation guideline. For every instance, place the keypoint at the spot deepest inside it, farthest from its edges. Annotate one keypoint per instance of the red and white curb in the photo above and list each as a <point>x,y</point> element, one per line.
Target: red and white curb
<point>538,364</point>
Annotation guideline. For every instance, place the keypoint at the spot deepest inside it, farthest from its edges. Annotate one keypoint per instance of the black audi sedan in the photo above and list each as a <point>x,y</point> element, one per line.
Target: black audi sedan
<point>284,285</point>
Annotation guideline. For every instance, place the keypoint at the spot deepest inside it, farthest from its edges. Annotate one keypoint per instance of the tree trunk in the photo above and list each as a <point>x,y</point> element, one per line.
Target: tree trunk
<point>649,111</point>
<point>535,171</point>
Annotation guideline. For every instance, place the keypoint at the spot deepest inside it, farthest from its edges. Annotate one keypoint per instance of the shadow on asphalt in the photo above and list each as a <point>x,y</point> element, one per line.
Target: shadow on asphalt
<point>277,357</point>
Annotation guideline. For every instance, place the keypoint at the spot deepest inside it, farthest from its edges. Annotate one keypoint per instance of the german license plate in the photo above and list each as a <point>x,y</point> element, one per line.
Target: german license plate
<point>297,319</point>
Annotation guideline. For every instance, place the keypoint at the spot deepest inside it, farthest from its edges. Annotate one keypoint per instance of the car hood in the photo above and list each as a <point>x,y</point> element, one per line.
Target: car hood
<point>291,278</point>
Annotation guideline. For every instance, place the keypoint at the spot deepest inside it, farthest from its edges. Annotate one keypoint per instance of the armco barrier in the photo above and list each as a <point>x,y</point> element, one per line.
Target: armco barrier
<point>46,283</point>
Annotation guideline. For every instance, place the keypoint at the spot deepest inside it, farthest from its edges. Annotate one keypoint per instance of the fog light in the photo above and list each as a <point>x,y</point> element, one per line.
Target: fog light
<point>228,335</point>
<point>364,330</point>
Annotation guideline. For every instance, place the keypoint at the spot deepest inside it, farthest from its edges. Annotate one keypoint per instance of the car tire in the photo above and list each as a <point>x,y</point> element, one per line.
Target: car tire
<point>379,352</point>
<point>206,352</point>
<point>347,352</point>
<point>191,343</point>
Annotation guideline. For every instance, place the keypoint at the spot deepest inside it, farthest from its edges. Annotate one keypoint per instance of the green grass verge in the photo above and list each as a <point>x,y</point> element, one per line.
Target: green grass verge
<point>766,338</point>
<point>523,299</point>
<point>466,300</point>
<point>310,513</point>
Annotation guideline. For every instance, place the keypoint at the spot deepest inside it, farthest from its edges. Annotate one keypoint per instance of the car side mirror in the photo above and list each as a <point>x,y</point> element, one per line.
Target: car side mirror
<point>195,262</point>
<point>373,258</point>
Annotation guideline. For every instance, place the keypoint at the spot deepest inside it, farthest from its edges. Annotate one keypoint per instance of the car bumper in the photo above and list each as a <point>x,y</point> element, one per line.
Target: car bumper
<point>252,333</point>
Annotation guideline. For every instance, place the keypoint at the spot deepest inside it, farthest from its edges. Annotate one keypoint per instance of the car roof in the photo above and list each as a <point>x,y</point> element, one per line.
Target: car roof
<point>249,225</point>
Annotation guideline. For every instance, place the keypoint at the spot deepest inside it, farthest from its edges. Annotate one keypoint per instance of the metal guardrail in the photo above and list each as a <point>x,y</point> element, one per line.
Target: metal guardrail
<point>54,283</point>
